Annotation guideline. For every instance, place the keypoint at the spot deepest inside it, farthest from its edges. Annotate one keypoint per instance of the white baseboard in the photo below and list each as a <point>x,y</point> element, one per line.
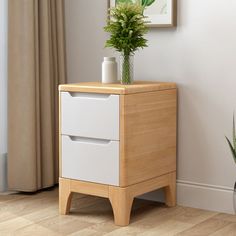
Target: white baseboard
<point>202,196</point>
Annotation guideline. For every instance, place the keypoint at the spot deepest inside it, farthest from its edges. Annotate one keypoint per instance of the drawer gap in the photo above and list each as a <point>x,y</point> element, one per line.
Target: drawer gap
<point>89,140</point>
<point>89,95</point>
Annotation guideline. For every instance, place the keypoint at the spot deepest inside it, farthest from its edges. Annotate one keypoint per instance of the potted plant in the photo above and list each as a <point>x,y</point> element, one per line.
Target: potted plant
<point>232,146</point>
<point>127,28</point>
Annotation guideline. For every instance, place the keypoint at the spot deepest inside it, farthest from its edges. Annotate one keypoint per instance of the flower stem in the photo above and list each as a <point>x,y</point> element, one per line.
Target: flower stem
<point>126,75</point>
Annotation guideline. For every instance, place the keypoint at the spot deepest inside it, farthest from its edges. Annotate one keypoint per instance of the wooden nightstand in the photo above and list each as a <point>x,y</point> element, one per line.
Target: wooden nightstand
<point>118,142</point>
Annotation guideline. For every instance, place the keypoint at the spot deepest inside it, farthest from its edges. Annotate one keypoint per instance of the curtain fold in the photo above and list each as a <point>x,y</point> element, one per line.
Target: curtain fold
<point>3,95</point>
<point>36,66</point>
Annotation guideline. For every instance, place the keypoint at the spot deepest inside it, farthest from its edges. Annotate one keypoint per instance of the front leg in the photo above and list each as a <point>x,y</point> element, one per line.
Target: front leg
<point>65,196</point>
<point>121,202</point>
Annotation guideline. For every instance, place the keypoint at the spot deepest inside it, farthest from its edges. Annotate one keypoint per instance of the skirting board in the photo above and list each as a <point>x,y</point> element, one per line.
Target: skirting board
<point>202,196</point>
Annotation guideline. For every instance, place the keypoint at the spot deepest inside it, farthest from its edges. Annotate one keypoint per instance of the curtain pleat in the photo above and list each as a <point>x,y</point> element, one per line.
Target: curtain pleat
<point>36,59</point>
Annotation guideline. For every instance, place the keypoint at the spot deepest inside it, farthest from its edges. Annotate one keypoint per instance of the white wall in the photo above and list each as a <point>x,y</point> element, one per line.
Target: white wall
<point>200,55</point>
<point>85,38</point>
<point>3,93</point>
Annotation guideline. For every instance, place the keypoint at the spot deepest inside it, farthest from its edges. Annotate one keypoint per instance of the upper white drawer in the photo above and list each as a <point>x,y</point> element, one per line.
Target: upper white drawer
<point>90,115</point>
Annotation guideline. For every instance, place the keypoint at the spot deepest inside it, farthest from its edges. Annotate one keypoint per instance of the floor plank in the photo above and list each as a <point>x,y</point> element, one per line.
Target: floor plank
<point>229,230</point>
<point>205,228</point>
<point>37,214</point>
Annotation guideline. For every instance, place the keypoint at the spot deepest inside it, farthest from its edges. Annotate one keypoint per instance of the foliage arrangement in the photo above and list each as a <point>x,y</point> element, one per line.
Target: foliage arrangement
<point>233,144</point>
<point>127,28</point>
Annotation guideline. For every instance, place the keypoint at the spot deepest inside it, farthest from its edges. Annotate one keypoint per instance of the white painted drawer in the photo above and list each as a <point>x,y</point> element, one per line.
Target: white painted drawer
<point>90,115</point>
<point>90,160</point>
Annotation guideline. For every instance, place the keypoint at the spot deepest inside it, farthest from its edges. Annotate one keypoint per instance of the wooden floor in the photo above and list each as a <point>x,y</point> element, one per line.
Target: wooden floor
<point>37,214</point>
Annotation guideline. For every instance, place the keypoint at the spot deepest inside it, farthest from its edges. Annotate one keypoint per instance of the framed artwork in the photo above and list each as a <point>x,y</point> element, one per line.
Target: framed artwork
<point>160,13</point>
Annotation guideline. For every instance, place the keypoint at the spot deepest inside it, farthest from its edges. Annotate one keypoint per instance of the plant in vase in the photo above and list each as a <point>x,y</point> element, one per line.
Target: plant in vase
<point>232,146</point>
<point>127,28</point>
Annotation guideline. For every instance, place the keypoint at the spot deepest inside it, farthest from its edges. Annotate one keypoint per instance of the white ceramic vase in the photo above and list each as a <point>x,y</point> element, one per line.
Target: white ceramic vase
<point>109,70</point>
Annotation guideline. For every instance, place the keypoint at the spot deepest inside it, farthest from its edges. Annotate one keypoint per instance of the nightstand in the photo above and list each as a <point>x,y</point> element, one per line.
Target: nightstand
<point>118,142</point>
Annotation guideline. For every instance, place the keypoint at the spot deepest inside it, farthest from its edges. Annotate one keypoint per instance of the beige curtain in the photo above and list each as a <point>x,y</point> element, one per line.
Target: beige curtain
<point>36,61</point>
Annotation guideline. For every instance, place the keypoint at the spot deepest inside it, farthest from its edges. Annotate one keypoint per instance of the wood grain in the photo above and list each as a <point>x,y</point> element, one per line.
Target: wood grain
<point>147,135</point>
<point>121,198</point>
<point>205,228</point>
<point>229,230</point>
<point>78,186</point>
<point>37,214</point>
<point>65,196</point>
<point>117,88</point>
<point>170,190</point>
<point>151,184</point>
<point>147,146</point>
<point>121,201</point>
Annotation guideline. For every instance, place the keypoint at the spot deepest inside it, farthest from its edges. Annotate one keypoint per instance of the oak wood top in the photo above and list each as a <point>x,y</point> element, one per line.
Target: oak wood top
<point>117,88</point>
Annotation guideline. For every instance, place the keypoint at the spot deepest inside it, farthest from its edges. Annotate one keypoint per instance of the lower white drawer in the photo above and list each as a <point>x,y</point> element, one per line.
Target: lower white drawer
<point>92,160</point>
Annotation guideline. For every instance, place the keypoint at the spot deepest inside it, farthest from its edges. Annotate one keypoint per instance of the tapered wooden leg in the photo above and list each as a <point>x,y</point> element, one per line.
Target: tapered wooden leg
<point>170,191</point>
<point>65,196</point>
<point>121,202</point>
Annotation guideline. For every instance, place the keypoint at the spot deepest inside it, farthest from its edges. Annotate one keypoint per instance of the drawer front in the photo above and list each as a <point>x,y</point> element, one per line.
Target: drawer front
<point>91,160</point>
<point>90,115</point>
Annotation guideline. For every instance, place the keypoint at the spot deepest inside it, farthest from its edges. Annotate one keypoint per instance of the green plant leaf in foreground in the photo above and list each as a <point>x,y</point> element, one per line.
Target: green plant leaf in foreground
<point>232,149</point>
<point>234,134</point>
<point>233,144</point>
<point>147,3</point>
<point>127,28</point>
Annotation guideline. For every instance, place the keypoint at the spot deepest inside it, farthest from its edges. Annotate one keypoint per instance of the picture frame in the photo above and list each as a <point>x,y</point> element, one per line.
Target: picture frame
<point>162,13</point>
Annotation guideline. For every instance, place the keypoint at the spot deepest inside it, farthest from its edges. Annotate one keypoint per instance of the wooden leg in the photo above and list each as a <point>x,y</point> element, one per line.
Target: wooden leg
<point>65,196</point>
<point>121,202</point>
<point>170,191</point>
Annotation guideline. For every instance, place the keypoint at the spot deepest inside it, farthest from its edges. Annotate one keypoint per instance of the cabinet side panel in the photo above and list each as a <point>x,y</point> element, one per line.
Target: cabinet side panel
<point>60,145</point>
<point>148,136</point>
<point>122,166</point>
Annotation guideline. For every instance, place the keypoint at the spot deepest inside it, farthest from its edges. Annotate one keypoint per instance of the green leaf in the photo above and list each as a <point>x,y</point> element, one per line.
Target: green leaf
<point>150,2</point>
<point>127,28</point>
<point>232,149</point>
<point>144,2</point>
<point>147,3</point>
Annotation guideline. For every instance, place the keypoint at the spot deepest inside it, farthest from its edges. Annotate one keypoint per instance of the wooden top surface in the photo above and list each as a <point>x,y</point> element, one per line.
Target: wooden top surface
<point>117,88</point>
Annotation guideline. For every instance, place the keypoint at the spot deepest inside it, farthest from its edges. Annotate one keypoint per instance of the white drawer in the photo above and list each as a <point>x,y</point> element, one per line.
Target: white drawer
<point>90,115</point>
<point>91,160</point>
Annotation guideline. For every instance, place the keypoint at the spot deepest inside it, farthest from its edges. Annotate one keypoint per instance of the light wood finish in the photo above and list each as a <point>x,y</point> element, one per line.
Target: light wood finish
<point>147,135</point>
<point>98,87</point>
<point>37,214</point>
<point>147,146</point>
<point>65,196</point>
<point>170,191</point>
<point>93,189</point>
<point>151,185</point>
<point>121,201</point>
<point>121,198</point>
